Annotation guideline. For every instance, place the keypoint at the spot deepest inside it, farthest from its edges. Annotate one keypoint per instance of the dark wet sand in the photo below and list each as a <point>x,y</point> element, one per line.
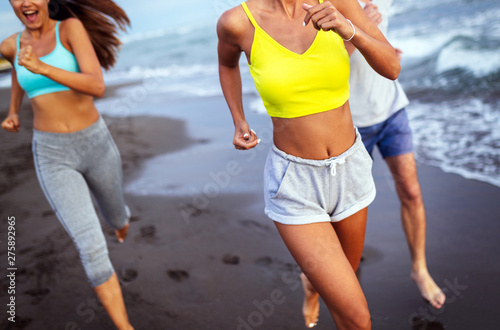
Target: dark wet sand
<point>214,261</point>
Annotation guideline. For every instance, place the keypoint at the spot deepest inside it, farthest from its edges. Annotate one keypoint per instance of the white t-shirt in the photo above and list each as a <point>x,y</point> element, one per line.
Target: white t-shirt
<point>373,98</point>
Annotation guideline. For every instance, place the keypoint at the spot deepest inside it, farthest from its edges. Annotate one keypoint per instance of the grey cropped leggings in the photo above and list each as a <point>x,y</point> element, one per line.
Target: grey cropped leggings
<point>71,165</point>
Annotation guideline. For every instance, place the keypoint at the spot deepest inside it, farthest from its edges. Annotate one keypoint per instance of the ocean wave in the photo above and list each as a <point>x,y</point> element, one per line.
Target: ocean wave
<point>419,47</point>
<point>404,6</point>
<point>451,85</point>
<point>178,90</point>
<point>463,137</point>
<point>438,27</point>
<point>469,55</point>
<point>130,38</point>
<point>159,33</point>
<point>139,73</point>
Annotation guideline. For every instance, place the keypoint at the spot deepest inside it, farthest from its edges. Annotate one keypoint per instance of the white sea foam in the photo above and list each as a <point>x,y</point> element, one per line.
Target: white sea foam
<point>179,31</point>
<point>421,46</point>
<point>128,38</point>
<point>445,38</point>
<point>463,137</point>
<point>457,55</point>
<point>404,6</point>
<point>137,73</point>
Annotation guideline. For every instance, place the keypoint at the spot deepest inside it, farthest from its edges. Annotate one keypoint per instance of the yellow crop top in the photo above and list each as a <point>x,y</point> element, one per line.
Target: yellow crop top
<point>295,85</point>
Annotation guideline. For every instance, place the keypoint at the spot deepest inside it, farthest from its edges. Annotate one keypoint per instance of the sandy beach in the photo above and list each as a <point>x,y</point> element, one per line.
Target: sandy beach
<point>210,259</point>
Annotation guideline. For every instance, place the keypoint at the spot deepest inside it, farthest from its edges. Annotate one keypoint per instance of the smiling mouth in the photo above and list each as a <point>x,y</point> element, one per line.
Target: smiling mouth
<point>31,15</point>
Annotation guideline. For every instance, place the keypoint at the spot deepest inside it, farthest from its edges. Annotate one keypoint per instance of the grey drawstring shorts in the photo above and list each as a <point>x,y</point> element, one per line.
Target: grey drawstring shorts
<point>71,166</point>
<point>300,191</point>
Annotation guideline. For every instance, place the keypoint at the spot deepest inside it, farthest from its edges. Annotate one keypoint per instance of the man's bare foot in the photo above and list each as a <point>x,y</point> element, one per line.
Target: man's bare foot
<point>310,307</point>
<point>121,234</point>
<point>429,289</point>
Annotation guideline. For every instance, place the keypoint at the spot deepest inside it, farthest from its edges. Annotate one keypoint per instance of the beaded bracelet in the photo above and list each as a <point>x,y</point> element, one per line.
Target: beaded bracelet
<point>353,31</point>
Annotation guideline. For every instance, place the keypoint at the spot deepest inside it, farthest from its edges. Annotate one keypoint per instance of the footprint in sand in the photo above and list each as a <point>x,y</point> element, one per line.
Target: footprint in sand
<point>38,295</point>
<point>148,232</point>
<point>419,322</point>
<point>178,275</point>
<point>281,265</point>
<point>48,213</point>
<point>229,259</point>
<point>129,275</point>
<point>134,218</point>
<point>254,225</point>
<point>190,210</point>
<point>37,292</point>
<point>264,261</point>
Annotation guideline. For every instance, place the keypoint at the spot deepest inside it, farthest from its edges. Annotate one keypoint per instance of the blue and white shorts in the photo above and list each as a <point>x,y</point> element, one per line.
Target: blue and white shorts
<point>300,191</point>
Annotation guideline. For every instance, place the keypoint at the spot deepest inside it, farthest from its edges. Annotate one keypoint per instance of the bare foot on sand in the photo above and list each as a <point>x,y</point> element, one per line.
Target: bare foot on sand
<point>310,307</point>
<point>429,289</point>
<point>121,234</point>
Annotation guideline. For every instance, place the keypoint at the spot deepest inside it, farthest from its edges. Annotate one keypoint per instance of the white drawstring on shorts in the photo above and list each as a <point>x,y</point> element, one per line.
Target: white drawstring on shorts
<point>333,164</point>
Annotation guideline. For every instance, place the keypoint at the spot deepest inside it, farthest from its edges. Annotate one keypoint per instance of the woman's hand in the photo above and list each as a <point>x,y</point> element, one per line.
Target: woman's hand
<point>326,17</point>
<point>351,23</point>
<point>399,52</point>
<point>371,10</point>
<point>29,60</point>
<point>11,123</point>
<point>244,137</point>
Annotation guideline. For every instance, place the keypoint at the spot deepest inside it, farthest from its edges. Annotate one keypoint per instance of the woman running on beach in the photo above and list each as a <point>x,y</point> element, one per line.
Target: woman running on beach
<point>58,64</point>
<point>317,172</point>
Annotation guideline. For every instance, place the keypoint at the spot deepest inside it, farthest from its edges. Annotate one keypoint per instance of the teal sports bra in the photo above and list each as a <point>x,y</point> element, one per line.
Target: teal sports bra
<point>37,84</point>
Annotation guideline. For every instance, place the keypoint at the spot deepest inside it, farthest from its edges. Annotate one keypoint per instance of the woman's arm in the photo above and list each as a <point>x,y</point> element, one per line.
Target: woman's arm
<point>229,31</point>
<point>366,37</point>
<point>372,12</point>
<point>89,80</point>
<point>11,123</point>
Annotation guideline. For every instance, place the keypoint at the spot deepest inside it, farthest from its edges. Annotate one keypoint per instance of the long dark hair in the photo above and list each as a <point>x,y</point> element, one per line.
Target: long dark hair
<point>101,18</point>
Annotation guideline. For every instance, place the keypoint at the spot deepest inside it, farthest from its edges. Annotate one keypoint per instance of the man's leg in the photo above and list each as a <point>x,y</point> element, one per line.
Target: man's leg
<point>404,172</point>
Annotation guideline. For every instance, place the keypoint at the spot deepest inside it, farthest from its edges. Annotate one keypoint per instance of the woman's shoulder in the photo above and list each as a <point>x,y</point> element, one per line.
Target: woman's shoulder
<point>71,23</point>
<point>233,21</point>
<point>72,30</point>
<point>8,47</point>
